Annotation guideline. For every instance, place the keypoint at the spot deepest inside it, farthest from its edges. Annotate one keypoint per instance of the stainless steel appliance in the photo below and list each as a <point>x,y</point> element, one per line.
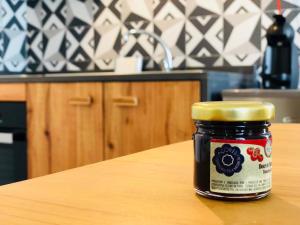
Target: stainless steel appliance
<point>13,154</point>
<point>287,102</point>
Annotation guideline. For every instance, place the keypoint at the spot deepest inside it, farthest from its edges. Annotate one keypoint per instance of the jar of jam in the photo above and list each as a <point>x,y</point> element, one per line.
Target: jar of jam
<point>232,149</point>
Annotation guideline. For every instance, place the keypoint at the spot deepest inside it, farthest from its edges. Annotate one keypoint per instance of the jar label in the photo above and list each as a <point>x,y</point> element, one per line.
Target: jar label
<point>240,166</point>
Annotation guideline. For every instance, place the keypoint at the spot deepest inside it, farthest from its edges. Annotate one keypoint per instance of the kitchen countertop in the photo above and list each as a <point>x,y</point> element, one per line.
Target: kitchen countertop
<point>112,76</point>
<point>152,187</point>
<point>104,76</point>
<point>212,82</point>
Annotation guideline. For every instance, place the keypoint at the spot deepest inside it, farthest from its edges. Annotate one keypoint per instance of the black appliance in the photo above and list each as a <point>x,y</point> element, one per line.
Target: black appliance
<point>280,69</point>
<point>13,150</point>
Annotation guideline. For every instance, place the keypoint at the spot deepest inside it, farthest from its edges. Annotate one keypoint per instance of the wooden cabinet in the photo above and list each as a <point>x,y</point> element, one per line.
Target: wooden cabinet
<point>65,127</point>
<point>143,115</point>
<point>75,124</point>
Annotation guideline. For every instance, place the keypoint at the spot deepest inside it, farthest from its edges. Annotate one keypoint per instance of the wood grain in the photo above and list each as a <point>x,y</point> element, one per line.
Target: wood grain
<point>152,187</point>
<point>38,141</point>
<point>161,115</point>
<point>12,92</point>
<point>67,135</point>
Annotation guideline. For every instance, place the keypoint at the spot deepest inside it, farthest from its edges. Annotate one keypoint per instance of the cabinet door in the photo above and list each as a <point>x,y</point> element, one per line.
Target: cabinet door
<point>65,128</point>
<point>143,115</point>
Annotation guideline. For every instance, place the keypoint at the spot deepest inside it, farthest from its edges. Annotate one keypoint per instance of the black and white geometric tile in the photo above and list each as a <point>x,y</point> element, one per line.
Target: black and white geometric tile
<point>169,25</point>
<point>169,9</point>
<point>266,21</point>
<point>54,55</point>
<point>195,8</point>
<point>179,62</point>
<point>1,16</point>
<point>107,41</point>
<point>107,46</point>
<point>137,10</point>
<point>104,64</point>
<point>294,20</point>
<point>56,66</point>
<point>86,35</point>
<point>172,33</point>
<point>107,12</point>
<point>14,50</point>
<point>204,36</point>
<point>35,49</point>
<point>80,43</point>
<point>241,33</point>
<point>13,15</point>
<point>140,44</point>
<point>80,47</point>
<point>1,51</point>
<point>151,64</point>
<point>242,59</point>
<point>156,62</point>
<point>1,45</point>
<point>34,14</point>
<point>34,37</point>
<point>80,66</point>
<point>16,65</point>
<point>198,62</point>
<point>241,6</point>
<point>54,44</point>
<point>54,14</point>
<point>79,13</point>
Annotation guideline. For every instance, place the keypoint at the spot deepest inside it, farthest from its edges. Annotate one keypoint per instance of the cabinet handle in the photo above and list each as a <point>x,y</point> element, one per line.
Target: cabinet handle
<point>81,101</point>
<point>126,101</point>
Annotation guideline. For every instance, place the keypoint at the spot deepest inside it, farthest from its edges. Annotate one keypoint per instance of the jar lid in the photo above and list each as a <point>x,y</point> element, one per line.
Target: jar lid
<point>233,111</point>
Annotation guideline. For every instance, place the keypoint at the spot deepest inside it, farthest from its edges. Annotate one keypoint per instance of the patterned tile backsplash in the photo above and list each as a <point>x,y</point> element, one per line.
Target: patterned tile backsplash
<point>44,36</point>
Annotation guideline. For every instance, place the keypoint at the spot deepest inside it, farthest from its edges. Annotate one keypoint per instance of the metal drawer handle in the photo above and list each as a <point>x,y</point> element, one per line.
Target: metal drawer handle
<point>81,101</point>
<point>6,138</point>
<point>126,101</point>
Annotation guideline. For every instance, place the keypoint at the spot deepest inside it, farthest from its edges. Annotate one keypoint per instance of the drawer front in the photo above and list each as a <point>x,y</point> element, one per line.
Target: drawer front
<point>13,92</point>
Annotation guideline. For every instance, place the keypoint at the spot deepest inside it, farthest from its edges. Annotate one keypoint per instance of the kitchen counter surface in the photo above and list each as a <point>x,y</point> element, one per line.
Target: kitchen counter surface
<point>105,76</point>
<point>152,187</point>
<point>112,76</point>
<point>211,82</point>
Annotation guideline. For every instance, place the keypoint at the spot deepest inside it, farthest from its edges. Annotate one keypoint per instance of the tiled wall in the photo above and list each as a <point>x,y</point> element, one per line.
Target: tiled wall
<point>86,35</point>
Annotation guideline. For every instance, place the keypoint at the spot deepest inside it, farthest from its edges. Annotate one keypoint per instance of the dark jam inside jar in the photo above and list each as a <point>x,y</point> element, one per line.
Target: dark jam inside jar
<point>206,131</point>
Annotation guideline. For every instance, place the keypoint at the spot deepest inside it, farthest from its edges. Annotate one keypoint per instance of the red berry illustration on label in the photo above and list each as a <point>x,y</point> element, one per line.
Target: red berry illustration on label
<point>250,150</point>
<point>255,154</point>
<point>260,158</point>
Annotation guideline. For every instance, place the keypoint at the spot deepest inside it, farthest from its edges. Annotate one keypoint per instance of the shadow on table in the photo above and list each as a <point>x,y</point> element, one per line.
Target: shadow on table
<point>270,210</point>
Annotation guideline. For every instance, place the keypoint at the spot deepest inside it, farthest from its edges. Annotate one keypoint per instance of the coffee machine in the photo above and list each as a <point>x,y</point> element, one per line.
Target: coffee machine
<point>280,68</point>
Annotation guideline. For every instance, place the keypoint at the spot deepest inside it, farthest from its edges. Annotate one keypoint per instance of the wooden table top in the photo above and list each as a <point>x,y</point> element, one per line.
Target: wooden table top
<point>152,187</point>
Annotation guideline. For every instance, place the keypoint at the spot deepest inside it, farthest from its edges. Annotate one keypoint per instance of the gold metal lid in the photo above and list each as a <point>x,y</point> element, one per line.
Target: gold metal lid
<point>233,111</point>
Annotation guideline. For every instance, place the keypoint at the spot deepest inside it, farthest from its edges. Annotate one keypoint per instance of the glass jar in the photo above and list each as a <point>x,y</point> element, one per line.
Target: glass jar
<point>232,149</point>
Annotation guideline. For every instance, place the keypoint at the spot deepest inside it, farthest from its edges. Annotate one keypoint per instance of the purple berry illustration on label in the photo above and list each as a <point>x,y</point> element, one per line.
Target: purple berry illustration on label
<point>228,159</point>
